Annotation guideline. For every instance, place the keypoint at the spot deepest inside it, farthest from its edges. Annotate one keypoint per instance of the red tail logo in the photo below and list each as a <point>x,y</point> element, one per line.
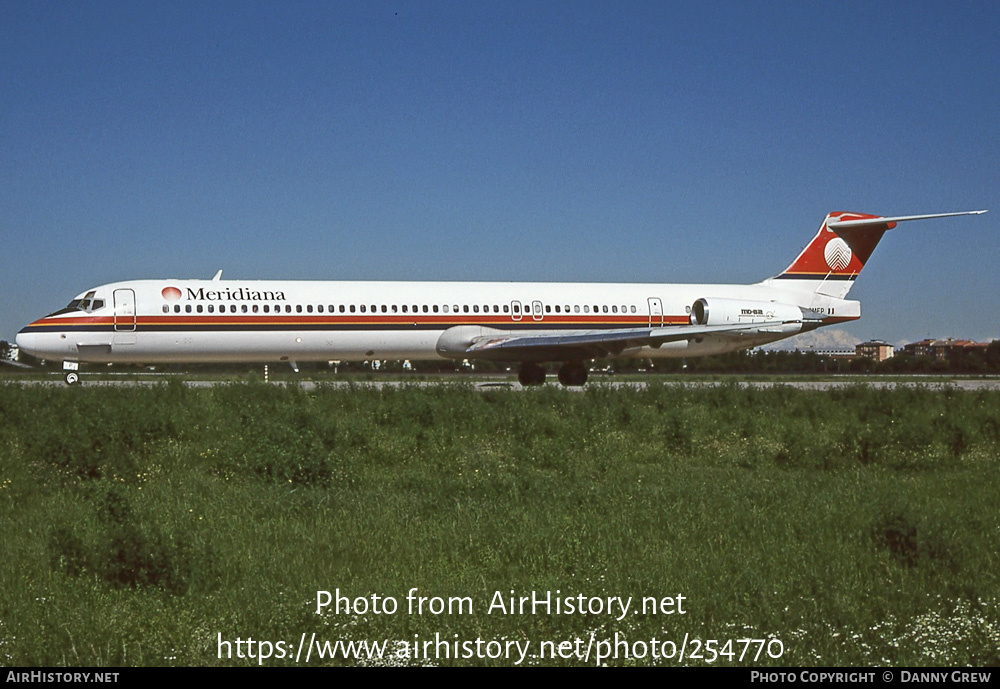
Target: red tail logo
<point>842,253</point>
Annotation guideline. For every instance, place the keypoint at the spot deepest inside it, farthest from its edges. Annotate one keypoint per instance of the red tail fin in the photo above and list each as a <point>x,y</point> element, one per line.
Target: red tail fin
<point>838,252</point>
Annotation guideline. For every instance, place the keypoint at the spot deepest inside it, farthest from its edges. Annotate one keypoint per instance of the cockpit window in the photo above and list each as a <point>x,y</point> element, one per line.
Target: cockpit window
<point>87,304</point>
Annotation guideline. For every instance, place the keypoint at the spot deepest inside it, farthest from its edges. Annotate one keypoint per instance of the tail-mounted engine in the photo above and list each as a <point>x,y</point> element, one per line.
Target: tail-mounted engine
<point>740,312</point>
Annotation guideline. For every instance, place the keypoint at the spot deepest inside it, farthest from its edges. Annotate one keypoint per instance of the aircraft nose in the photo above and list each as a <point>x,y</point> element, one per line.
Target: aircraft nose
<point>25,341</point>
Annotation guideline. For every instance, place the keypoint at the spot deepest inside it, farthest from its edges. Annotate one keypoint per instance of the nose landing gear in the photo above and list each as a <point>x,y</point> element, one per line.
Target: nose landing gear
<point>71,368</point>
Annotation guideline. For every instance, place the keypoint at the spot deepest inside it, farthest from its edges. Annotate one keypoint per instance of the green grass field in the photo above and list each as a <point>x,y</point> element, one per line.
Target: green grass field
<point>144,524</point>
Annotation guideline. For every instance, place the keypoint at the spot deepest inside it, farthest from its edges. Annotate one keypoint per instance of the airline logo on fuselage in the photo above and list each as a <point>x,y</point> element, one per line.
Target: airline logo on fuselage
<point>228,294</point>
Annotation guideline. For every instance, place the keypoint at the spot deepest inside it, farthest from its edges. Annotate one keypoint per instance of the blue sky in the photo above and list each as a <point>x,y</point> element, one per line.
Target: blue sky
<point>645,142</point>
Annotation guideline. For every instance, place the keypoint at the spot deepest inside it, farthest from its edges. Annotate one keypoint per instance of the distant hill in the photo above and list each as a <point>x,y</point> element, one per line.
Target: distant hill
<point>824,339</point>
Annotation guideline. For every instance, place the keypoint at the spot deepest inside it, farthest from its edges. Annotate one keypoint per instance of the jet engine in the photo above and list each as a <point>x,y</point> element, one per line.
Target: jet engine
<point>739,312</point>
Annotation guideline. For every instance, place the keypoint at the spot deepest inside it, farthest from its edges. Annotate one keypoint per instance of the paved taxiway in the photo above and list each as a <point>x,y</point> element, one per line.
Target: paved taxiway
<point>931,383</point>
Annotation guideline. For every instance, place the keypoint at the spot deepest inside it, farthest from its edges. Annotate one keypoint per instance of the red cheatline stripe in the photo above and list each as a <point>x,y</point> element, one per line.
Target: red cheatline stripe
<point>398,319</point>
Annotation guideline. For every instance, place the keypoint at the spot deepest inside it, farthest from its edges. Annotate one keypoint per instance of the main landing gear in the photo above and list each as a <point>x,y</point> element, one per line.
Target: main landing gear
<point>530,374</point>
<point>572,373</point>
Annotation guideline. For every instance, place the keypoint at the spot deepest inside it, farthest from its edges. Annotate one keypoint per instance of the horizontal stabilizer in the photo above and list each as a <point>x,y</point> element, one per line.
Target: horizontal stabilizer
<point>845,241</point>
<point>835,223</point>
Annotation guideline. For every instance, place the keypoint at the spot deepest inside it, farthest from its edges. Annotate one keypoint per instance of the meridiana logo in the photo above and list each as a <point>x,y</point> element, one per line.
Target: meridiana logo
<point>837,254</point>
<point>171,293</point>
<point>226,294</point>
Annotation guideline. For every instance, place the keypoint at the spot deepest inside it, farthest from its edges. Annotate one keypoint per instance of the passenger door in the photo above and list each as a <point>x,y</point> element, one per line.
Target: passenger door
<point>125,321</point>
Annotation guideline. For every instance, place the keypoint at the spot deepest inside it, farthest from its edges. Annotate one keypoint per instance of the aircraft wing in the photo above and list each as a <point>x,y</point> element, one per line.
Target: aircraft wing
<point>591,344</point>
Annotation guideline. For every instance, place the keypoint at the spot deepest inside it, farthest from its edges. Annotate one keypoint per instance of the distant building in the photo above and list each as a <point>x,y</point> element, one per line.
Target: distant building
<point>944,349</point>
<point>874,349</point>
<point>829,352</point>
<point>921,348</point>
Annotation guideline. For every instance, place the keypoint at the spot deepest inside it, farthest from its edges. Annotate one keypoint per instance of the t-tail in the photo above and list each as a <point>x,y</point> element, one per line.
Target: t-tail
<point>840,249</point>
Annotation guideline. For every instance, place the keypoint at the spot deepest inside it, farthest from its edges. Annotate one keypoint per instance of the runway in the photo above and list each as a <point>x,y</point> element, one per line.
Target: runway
<point>505,383</point>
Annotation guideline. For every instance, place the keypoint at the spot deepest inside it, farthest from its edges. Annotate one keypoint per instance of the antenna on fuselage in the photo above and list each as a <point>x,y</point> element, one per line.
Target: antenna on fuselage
<point>218,276</point>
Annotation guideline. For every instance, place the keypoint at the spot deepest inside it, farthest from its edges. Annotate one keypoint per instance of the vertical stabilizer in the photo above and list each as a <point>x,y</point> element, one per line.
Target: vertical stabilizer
<point>832,260</point>
<point>844,243</point>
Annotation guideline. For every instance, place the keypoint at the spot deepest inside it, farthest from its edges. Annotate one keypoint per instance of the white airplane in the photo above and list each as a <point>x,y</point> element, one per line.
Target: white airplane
<point>530,323</point>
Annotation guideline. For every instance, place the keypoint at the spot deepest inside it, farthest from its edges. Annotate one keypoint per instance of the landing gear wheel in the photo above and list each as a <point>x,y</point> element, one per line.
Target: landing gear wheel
<point>531,374</point>
<point>72,378</point>
<point>573,373</point>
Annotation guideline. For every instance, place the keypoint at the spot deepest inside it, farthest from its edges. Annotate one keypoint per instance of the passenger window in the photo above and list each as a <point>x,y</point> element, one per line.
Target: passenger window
<point>435,308</point>
<point>445,308</point>
<point>187,308</point>
<point>475,308</point>
<point>362,308</point>
<point>384,309</point>
<point>309,308</point>
<point>557,308</point>
<point>166,309</point>
<point>244,309</point>
<point>199,308</point>
<point>548,309</point>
